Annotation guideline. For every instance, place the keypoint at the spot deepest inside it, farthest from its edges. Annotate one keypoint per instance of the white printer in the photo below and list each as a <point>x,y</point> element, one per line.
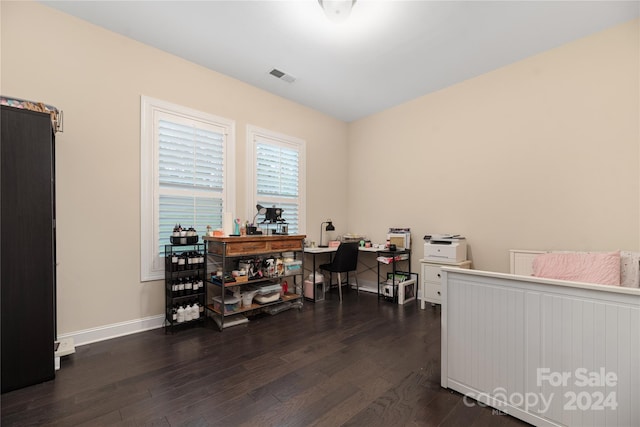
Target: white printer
<point>445,248</point>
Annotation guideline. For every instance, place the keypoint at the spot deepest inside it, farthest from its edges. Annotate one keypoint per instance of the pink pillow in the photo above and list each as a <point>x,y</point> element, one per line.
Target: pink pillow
<point>600,268</point>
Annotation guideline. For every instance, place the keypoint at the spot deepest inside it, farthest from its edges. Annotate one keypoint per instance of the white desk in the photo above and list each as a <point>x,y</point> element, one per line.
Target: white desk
<point>327,250</point>
<point>370,249</point>
<point>317,250</point>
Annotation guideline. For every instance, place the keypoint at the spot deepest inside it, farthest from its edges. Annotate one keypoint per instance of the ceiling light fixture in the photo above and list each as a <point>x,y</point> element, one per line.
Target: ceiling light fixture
<point>337,10</point>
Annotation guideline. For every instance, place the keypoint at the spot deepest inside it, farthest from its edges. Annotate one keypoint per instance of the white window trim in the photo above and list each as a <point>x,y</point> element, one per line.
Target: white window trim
<point>284,140</point>
<point>152,268</point>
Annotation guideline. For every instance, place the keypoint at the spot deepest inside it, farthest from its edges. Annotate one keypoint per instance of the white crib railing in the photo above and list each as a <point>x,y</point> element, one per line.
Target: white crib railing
<point>545,351</point>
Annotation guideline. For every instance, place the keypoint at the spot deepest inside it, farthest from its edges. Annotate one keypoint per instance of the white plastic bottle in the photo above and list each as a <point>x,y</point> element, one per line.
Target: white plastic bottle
<point>181,314</point>
<point>195,311</point>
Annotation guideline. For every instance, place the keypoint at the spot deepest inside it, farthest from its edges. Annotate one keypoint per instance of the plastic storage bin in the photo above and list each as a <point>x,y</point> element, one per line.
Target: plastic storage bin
<point>293,267</point>
<point>231,304</point>
<point>267,298</point>
<point>308,290</point>
<point>268,289</point>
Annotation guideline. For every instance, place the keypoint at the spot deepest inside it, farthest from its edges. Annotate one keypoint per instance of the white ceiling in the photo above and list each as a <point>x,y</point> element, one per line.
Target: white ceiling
<point>387,53</point>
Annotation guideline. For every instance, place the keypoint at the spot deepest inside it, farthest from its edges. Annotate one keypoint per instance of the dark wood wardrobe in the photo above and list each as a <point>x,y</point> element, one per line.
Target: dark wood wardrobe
<point>28,269</point>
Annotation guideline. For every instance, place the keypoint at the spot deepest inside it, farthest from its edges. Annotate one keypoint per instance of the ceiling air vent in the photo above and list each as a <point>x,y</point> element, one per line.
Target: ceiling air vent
<point>282,75</point>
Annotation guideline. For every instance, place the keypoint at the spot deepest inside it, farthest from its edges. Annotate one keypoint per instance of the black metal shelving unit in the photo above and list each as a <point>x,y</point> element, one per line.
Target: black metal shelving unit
<point>178,273</point>
<point>393,266</point>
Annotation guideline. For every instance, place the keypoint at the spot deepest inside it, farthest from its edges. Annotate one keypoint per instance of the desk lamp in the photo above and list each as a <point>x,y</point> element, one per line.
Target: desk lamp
<point>261,211</point>
<point>329,227</point>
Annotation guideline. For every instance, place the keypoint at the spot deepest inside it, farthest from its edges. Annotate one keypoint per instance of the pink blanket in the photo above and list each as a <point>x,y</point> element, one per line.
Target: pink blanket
<point>600,268</point>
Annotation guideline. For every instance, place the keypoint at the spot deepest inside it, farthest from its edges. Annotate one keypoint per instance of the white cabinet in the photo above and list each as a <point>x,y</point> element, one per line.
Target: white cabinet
<point>431,283</point>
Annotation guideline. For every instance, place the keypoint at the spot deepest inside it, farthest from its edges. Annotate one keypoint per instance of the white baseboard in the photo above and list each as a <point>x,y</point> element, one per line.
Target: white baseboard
<point>107,332</point>
<point>114,330</point>
<point>365,285</point>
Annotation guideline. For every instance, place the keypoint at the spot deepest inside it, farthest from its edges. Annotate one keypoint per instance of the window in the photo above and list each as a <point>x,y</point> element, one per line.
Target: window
<point>185,178</point>
<point>277,175</point>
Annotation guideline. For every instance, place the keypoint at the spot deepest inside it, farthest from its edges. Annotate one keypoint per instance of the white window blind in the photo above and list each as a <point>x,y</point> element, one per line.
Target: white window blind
<point>185,176</point>
<point>190,176</point>
<point>278,177</point>
<point>190,156</point>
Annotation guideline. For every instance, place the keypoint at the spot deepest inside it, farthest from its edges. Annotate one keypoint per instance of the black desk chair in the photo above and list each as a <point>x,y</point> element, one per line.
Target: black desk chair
<point>345,260</point>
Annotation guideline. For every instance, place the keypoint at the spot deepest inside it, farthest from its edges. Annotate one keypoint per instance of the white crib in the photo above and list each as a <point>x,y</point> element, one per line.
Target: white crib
<point>549,352</point>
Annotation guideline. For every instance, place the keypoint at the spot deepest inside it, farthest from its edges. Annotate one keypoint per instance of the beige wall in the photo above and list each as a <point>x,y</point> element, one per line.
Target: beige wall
<point>540,154</point>
<point>96,77</point>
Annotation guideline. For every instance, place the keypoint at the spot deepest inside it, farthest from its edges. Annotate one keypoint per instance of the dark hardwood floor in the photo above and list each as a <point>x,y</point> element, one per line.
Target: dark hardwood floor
<point>360,363</point>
